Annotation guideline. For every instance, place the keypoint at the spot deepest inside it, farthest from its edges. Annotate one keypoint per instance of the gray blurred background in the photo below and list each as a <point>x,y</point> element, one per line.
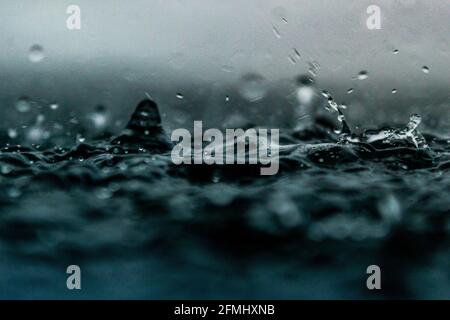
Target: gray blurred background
<point>194,56</point>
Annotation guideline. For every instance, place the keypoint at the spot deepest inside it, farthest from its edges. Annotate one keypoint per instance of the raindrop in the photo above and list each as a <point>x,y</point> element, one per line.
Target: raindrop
<point>292,60</point>
<point>314,68</point>
<point>394,90</point>
<point>36,134</point>
<point>395,51</point>
<point>40,118</point>
<point>180,96</point>
<point>425,69</point>
<point>253,87</point>
<point>276,32</point>
<point>23,105</point>
<point>350,90</point>
<point>54,106</point>
<point>305,95</point>
<point>297,53</point>
<point>80,138</point>
<point>12,133</point>
<point>99,117</point>
<point>325,94</point>
<point>36,53</point>
<point>363,75</point>
<point>280,13</point>
<point>227,98</point>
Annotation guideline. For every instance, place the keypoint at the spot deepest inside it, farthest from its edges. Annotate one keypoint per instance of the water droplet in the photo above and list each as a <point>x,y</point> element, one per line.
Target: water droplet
<point>395,51</point>
<point>99,117</point>
<point>80,138</point>
<point>12,133</point>
<point>314,68</point>
<point>227,98</point>
<point>23,105</point>
<point>297,53</point>
<point>54,106</point>
<point>292,60</point>
<point>36,134</point>
<point>350,90</point>
<point>333,104</point>
<point>394,91</point>
<point>276,32</point>
<point>279,13</point>
<point>180,96</point>
<point>253,87</point>
<point>425,69</point>
<point>36,53</point>
<point>363,75</point>
<point>305,95</point>
<point>40,118</point>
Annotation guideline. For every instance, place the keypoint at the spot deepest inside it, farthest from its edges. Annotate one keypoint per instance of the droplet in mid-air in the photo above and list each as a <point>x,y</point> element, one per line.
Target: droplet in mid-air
<point>12,133</point>
<point>394,90</point>
<point>253,87</point>
<point>80,138</point>
<point>23,105</point>
<point>180,96</point>
<point>363,75</point>
<point>350,90</point>
<point>279,14</point>
<point>99,117</point>
<point>395,51</point>
<point>425,69</point>
<point>54,106</point>
<point>36,53</point>
<point>305,95</point>
<point>276,32</point>
<point>314,68</point>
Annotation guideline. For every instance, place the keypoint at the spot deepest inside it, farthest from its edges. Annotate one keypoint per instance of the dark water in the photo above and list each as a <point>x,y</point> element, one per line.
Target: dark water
<point>141,227</point>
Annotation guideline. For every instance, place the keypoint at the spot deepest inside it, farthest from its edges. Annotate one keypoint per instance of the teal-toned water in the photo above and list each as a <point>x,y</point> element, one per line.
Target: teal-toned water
<point>141,227</point>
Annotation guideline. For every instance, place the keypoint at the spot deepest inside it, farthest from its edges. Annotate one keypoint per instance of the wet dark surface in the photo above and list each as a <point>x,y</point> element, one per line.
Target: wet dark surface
<point>141,227</point>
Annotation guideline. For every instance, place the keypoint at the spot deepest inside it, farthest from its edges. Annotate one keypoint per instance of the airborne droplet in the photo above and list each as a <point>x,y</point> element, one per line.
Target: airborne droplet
<point>425,69</point>
<point>12,133</point>
<point>23,105</point>
<point>36,53</point>
<point>363,75</point>
<point>276,32</point>
<point>305,95</point>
